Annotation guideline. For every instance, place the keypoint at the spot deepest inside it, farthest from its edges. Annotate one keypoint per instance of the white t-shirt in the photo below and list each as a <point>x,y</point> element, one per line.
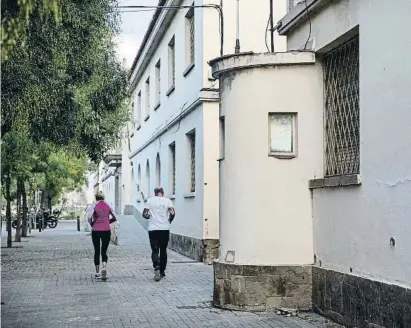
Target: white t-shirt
<point>158,208</point>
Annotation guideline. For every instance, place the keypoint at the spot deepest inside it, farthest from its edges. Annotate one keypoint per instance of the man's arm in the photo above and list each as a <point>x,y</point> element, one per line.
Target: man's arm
<point>146,213</point>
<point>172,214</point>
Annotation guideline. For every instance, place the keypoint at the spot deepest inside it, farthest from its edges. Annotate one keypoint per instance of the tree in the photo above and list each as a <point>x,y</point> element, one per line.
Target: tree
<point>66,84</point>
<point>62,86</point>
<point>15,15</point>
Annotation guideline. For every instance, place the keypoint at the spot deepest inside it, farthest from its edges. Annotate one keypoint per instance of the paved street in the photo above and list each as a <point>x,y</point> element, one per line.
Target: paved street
<point>47,281</point>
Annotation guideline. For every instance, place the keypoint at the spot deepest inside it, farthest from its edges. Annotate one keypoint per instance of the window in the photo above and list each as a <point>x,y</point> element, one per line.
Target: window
<point>147,189</point>
<point>138,110</point>
<point>171,65</point>
<point>139,183</point>
<point>190,39</point>
<point>158,84</point>
<point>133,106</point>
<point>192,151</point>
<point>158,171</point>
<point>342,110</point>
<point>172,148</point>
<point>282,127</point>
<point>222,137</point>
<point>147,114</point>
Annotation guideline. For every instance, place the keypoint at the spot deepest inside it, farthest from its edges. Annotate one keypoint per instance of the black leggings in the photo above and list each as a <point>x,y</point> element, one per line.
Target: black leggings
<point>105,241</point>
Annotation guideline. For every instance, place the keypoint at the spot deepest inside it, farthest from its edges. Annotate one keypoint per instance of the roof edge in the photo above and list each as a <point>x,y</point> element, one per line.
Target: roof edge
<point>150,28</point>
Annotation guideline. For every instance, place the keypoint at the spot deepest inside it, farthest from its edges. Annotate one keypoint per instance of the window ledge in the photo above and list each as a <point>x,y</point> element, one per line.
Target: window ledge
<point>283,155</point>
<point>172,197</point>
<point>190,194</point>
<point>337,181</point>
<point>157,106</point>
<point>170,91</point>
<point>145,199</point>
<point>188,69</point>
<point>138,200</point>
<point>147,117</point>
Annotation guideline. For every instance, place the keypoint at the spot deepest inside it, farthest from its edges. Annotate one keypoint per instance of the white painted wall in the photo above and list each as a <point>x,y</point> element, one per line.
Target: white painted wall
<point>353,226</point>
<point>196,216</point>
<point>127,183</point>
<point>189,211</point>
<point>108,187</point>
<point>265,212</point>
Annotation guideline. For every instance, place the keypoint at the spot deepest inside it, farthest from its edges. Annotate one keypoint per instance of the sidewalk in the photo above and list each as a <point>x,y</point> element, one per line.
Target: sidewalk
<point>47,282</point>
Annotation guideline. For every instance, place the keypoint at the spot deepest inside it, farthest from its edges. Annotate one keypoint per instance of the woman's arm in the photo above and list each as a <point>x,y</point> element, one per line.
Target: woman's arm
<point>113,217</point>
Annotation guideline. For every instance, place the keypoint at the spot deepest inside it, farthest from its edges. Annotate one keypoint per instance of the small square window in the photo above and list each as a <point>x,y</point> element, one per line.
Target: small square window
<point>282,135</point>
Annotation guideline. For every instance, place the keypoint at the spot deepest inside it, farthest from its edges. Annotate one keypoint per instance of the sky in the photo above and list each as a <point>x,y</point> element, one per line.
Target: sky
<point>133,28</point>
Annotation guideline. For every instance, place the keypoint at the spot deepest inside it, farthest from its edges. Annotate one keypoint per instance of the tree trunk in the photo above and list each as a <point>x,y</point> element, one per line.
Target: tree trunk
<point>43,194</point>
<point>8,210</point>
<point>25,209</point>
<point>49,203</point>
<point>19,212</point>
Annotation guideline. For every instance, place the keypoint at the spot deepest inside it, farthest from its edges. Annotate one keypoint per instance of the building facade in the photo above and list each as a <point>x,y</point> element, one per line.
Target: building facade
<point>174,138</point>
<point>361,208</point>
<point>330,226</point>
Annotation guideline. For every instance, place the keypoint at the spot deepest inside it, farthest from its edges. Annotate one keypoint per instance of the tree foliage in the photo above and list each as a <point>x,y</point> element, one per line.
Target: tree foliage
<point>15,16</point>
<point>66,85</point>
<point>64,93</point>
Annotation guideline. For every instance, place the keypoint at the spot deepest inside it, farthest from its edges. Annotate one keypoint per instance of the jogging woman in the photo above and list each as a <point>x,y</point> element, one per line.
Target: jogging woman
<point>100,215</point>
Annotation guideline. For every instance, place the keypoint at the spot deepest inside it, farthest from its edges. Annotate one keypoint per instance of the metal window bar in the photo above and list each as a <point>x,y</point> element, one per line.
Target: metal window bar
<point>173,64</point>
<point>173,154</point>
<point>192,39</point>
<point>193,162</point>
<point>342,110</point>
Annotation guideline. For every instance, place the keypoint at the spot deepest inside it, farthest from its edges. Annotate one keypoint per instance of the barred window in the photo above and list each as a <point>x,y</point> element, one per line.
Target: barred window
<point>138,109</point>
<point>147,96</point>
<point>190,37</point>
<point>158,83</point>
<point>133,106</point>
<point>342,110</point>
<point>173,168</point>
<point>139,182</point>
<point>147,189</point>
<point>171,62</point>
<point>192,142</point>
<point>158,171</point>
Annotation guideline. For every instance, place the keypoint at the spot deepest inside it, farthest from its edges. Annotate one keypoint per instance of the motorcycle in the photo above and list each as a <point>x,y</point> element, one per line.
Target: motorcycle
<point>47,220</point>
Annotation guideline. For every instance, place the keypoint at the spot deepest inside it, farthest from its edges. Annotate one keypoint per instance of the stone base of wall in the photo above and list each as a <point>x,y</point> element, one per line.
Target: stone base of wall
<point>261,288</point>
<point>201,250</point>
<point>359,302</point>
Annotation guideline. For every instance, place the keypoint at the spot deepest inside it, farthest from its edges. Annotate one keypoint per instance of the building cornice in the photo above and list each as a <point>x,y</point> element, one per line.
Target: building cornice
<point>298,15</point>
<point>159,24</point>
<point>249,60</point>
<point>205,96</point>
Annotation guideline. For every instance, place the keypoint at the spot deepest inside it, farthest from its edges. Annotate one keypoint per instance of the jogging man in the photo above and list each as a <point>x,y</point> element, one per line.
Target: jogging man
<point>159,210</point>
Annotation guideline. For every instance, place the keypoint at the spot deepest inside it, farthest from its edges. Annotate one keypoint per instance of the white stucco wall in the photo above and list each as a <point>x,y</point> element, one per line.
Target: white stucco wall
<point>189,211</point>
<point>126,178</point>
<point>210,184</point>
<point>265,203</point>
<point>108,187</point>
<point>196,216</point>
<point>353,226</point>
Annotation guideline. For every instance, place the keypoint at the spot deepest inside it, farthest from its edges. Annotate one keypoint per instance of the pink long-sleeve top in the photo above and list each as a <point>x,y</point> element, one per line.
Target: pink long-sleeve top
<point>100,213</point>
